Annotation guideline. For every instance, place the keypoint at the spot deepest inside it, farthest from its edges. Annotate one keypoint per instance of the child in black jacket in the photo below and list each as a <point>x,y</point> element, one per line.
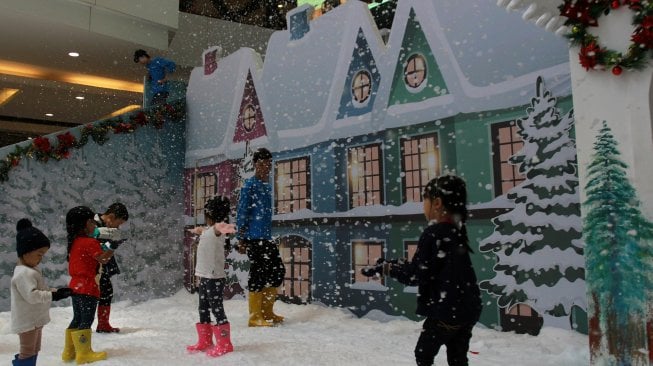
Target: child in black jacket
<point>448,293</point>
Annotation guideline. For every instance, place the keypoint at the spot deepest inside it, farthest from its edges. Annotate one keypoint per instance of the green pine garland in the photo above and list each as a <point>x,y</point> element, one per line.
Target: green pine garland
<point>42,149</point>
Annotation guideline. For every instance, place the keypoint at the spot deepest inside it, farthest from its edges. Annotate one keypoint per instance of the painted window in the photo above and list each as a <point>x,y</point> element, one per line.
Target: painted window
<point>249,117</point>
<point>210,62</point>
<point>292,185</point>
<point>410,247</point>
<point>365,253</point>
<point>365,175</point>
<point>505,143</point>
<point>521,310</point>
<point>420,162</point>
<point>361,86</point>
<point>205,187</point>
<point>415,71</point>
<point>296,255</point>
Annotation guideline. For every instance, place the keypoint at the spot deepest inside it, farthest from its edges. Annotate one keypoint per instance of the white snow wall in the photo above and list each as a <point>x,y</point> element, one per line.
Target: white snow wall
<point>144,170</point>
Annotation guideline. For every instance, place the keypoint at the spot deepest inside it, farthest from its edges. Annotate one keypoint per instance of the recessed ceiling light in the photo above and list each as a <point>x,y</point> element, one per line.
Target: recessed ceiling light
<point>49,115</point>
<point>79,97</point>
<point>280,5</point>
<point>73,54</point>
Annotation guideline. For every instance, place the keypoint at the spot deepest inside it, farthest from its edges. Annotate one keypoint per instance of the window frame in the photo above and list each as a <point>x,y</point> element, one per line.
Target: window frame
<point>353,88</point>
<point>402,152</point>
<point>247,118</point>
<point>308,185</point>
<point>413,57</point>
<point>198,211</point>
<point>367,242</point>
<point>381,174</point>
<point>498,163</point>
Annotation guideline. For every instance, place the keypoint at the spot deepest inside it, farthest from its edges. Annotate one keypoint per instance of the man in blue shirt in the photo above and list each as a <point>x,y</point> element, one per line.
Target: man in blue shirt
<point>254,221</point>
<point>156,74</point>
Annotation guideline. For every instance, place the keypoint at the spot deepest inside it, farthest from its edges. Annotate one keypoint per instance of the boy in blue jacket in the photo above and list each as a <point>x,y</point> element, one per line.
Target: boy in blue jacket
<point>254,221</point>
<point>448,293</point>
<point>157,68</point>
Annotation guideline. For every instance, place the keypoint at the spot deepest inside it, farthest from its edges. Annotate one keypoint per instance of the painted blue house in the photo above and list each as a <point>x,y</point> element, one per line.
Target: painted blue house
<point>357,127</point>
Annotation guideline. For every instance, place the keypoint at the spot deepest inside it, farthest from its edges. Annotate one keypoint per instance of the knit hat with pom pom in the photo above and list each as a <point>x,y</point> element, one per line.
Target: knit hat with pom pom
<point>29,238</point>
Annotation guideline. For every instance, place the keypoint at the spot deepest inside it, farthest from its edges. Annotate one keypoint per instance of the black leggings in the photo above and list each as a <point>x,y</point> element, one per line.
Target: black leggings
<point>106,290</point>
<point>210,292</point>
<point>435,334</point>
<point>83,311</point>
<point>265,266</point>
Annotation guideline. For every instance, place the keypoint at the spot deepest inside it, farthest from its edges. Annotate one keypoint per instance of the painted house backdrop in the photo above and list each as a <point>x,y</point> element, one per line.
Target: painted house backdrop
<point>358,124</point>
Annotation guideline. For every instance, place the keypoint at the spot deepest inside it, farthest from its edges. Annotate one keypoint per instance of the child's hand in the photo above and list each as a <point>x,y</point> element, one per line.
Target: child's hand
<point>224,228</point>
<point>61,293</point>
<point>196,230</point>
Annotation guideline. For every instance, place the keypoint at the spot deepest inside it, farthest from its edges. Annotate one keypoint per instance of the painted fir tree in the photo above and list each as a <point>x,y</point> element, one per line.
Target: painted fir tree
<point>619,256</point>
<point>538,244</point>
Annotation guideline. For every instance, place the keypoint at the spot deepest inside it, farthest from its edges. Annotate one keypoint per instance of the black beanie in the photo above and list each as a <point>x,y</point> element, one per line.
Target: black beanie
<point>29,238</point>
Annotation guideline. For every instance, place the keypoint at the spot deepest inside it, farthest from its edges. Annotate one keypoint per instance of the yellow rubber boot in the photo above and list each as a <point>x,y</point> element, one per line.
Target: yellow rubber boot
<point>85,354</point>
<point>255,312</point>
<point>269,297</point>
<point>68,354</point>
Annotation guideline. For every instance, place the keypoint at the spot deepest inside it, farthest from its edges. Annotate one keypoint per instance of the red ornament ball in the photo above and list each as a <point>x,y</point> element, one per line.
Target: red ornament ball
<point>617,70</point>
<point>615,4</point>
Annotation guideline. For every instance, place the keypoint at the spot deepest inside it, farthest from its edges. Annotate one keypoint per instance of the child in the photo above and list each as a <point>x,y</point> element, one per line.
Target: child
<point>254,221</point>
<point>210,270</point>
<point>107,232</point>
<point>84,254</point>
<point>156,74</point>
<point>30,298</point>
<point>448,295</point>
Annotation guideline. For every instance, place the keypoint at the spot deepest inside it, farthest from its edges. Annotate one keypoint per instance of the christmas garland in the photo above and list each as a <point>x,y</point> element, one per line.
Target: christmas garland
<point>42,148</point>
<point>582,14</point>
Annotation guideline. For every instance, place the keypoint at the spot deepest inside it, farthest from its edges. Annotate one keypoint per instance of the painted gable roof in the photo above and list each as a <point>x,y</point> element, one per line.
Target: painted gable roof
<point>485,63</point>
<point>304,78</point>
<point>214,105</point>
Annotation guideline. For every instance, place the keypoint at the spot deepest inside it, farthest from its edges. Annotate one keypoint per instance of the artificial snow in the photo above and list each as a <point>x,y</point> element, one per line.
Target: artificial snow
<point>156,333</point>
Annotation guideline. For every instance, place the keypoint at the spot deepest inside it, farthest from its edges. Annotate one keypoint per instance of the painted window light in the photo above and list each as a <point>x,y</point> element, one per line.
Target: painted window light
<point>361,86</point>
<point>205,187</point>
<point>365,175</point>
<point>415,71</point>
<point>292,185</point>
<point>505,143</point>
<point>249,117</point>
<point>420,162</point>
<point>410,247</point>
<point>296,255</point>
<point>365,253</point>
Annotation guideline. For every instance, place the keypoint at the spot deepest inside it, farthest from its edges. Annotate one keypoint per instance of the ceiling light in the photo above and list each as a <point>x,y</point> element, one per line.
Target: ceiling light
<point>49,115</point>
<point>6,94</point>
<point>79,97</point>
<point>37,72</point>
<point>280,6</point>
<point>73,54</point>
<point>123,110</point>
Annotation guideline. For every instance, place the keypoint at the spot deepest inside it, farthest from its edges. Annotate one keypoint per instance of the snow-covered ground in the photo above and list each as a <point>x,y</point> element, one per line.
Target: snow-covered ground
<point>156,333</point>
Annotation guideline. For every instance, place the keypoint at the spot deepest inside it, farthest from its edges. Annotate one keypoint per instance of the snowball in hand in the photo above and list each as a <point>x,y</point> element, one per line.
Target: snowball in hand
<point>225,228</point>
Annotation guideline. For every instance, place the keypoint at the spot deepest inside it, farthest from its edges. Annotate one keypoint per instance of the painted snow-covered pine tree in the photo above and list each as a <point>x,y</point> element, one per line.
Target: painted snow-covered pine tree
<point>538,244</point>
<point>619,257</point>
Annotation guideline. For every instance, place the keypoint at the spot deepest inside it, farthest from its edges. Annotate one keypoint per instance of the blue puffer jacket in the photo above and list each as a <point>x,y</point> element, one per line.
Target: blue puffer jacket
<point>157,69</point>
<point>254,216</point>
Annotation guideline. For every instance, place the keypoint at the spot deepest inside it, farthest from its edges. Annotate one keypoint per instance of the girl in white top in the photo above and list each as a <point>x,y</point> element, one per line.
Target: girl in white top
<point>30,297</point>
<point>210,270</point>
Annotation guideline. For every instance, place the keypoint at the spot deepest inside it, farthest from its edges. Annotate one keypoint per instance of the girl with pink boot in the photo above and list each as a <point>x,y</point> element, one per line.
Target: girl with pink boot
<point>210,270</point>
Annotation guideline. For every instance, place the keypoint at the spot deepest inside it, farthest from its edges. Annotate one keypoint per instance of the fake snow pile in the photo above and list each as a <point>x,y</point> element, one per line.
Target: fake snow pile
<point>156,333</point>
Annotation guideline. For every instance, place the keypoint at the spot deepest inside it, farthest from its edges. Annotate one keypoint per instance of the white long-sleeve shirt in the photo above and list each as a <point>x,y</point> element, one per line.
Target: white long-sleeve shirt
<point>210,255</point>
<point>30,300</point>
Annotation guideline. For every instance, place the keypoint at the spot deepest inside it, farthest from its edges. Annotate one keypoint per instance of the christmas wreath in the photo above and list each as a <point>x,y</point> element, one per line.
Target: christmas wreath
<point>582,14</point>
<point>43,149</point>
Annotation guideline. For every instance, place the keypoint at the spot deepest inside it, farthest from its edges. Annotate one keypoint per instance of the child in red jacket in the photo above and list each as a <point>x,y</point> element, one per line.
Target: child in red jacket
<point>84,255</point>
